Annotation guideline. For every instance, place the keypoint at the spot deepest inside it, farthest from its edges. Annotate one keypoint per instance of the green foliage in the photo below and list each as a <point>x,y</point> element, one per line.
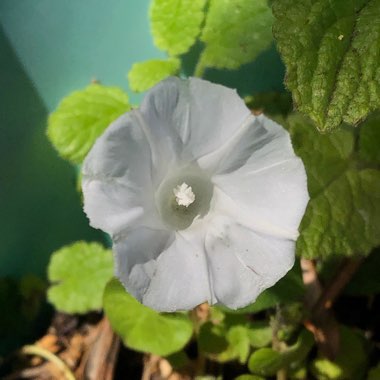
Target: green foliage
<point>211,338</point>
<point>236,31</point>
<point>343,215</point>
<point>374,373</point>
<point>349,364</point>
<point>260,334</point>
<point>144,75</point>
<point>175,24</point>
<point>79,274</point>
<point>238,345</point>
<point>249,377</point>
<point>331,52</point>
<point>22,303</point>
<point>267,361</point>
<point>366,280</point>
<point>142,328</point>
<point>369,151</point>
<point>82,117</point>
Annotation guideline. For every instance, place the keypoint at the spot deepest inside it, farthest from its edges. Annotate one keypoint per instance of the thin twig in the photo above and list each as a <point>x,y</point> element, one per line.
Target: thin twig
<point>39,351</point>
<point>338,283</point>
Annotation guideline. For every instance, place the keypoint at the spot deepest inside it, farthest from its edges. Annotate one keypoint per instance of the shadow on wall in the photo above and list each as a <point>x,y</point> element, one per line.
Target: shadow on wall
<point>40,208</point>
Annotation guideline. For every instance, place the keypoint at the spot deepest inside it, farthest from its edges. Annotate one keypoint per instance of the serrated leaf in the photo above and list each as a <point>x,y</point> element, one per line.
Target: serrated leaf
<point>331,52</point>
<point>79,274</point>
<point>144,75</point>
<point>343,215</point>
<point>236,31</point>
<point>175,24</point>
<point>81,118</point>
<point>142,328</point>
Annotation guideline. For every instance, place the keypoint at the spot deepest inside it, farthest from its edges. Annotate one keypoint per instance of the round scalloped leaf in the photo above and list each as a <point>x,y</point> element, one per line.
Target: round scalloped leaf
<point>142,328</point>
<point>331,52</point>
<point>236,31</point>
<point>175,24</point>
<point>79,274</point>
<point>144,75</point>
<point>81,118</point>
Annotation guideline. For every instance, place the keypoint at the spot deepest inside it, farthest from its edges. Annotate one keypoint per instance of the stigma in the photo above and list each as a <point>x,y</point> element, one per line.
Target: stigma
<point>184,195</point>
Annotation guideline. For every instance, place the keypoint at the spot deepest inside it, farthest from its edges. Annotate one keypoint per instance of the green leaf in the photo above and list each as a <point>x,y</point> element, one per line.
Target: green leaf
<point>175,24</point>
<point>260,334</point>
<point>238,345</point>
<point>369,142</point>
<point>249,377</point>
<point>351,361</point>
<point>142,328</point>
<point>343,215</point>
<point>144,75</point>
<point>374,373</point>
<point>236,31</point>
<point>331,52</point>
<point>212,338</point>
<point>79,273</point>
<point>265,361</point>
<point>366,281</point>
<point>82,117</point>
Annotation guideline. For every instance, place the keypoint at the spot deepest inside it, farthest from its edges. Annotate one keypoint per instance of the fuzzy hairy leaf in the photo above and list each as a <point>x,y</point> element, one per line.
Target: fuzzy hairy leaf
<point>144,75</point>
<point>81,118</point>
<point>343,215</point>
<point>175,24</point>
<point>236,31</point>
<point>331,50</point>
<point>79,274</point>
<point>142,328</point>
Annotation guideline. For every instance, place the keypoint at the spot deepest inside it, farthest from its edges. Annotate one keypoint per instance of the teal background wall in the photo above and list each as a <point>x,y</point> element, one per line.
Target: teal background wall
<point>49,48</point>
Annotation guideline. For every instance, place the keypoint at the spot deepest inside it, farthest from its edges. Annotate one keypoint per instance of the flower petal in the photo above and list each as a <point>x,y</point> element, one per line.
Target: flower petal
<point>269,189</point>
<point>243,263</point>
<point>201,114</point>
<point>136,255</point>
<point>117,186</point>
<point>180,280</point>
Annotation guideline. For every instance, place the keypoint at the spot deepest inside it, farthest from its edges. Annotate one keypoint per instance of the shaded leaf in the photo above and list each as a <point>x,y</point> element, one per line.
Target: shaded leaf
<point>142,328</point>
<point>343,215</point>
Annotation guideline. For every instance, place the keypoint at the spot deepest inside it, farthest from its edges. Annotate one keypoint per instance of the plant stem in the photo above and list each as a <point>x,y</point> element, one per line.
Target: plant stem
<point>338,283</point>
<point>39,351</point>
<point>200,68</point>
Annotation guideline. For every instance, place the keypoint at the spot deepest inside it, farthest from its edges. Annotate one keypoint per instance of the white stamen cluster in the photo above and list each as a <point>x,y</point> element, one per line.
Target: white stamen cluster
<point>184,195</point>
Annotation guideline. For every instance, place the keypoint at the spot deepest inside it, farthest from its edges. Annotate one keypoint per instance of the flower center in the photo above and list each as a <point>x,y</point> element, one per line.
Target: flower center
<point>183,197</point>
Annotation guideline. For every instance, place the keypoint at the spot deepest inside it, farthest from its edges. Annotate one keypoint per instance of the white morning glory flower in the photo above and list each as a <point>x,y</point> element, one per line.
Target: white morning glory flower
<point>202,199</point>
